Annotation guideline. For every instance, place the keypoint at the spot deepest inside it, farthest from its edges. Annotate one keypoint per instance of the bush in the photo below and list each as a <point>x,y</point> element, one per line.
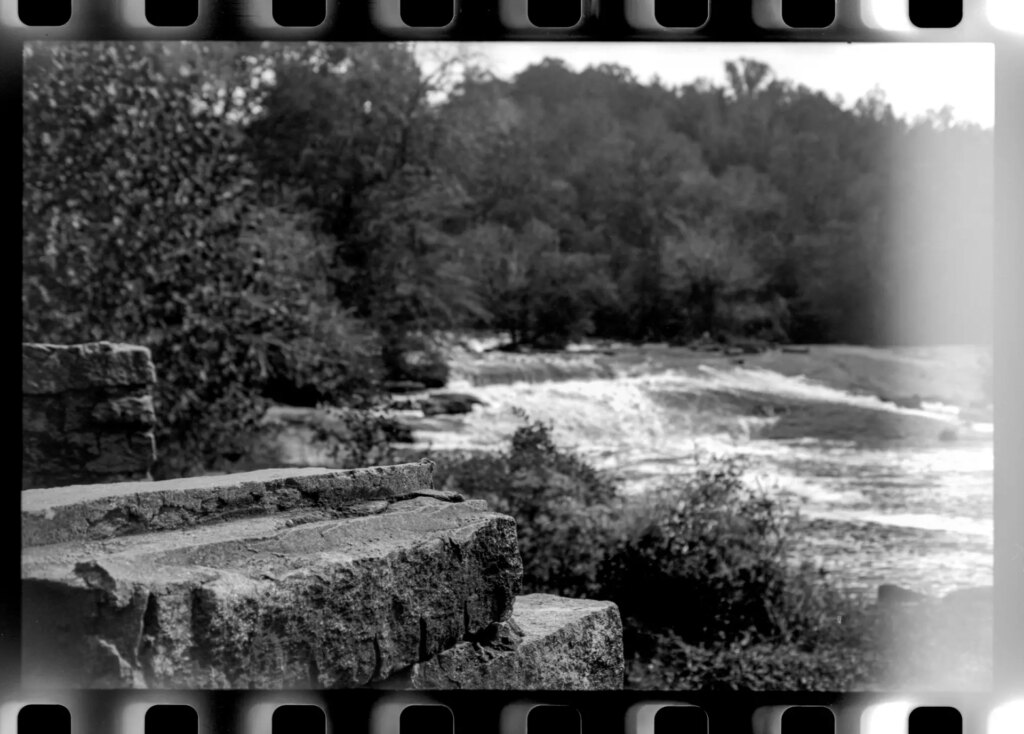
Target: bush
<point>748,665</point>
<point>564,509</point>
<point>713,547</point>
<point>701,569</point>
<point>706,557</point>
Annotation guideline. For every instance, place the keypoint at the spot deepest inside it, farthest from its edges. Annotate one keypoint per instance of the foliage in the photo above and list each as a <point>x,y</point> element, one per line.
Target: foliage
<point>745,665</point>
<point>363,439</point>
<point>699,202</point>
<point>142,223</point>
<point>296,222</point>
<point>354,136</point>
<point>534,292</point>
<point>563,507</point>
<point>700,570</point>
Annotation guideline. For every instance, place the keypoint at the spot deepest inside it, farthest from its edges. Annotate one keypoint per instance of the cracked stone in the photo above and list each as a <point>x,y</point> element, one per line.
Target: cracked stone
<point>251,603</point>
<point>549,643</point>
<point>91,512</point>
<point>49,369</point>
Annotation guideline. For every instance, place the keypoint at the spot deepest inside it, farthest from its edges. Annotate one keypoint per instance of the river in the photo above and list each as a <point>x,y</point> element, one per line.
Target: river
<point>885,453</point>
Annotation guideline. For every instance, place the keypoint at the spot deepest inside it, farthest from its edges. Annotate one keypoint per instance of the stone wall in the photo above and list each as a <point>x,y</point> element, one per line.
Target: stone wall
<point>87,413</point>
<point>279,578</point>
<point>293,578</point>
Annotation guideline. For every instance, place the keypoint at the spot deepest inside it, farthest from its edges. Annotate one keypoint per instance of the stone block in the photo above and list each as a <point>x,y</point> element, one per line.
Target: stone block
<point>41,414</point>
<point>81,456</point>
<point>97,511</point>
<point>305,597</point>
<point>49,369</point>
<point>114,409</point>
<point>49,460</point>
<point>124,452</point>
<point>550,643</point>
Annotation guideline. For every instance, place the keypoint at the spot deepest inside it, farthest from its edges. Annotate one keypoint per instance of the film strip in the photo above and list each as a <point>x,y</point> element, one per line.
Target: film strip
<point>83,594</point>
<point>512,19</point>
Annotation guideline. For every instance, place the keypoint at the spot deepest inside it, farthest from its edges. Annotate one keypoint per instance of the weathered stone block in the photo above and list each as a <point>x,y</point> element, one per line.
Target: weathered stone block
<point>115,409</point>
<point>551,643</point>
<point>126,411</point>
<point>41,414</point>
<point>53,460</point>
<point>302,598</point>
<point>87,415</point>
<point>52,368</point>
<point>123,452</point>
<point>91,512</point>
<point>84,456</point>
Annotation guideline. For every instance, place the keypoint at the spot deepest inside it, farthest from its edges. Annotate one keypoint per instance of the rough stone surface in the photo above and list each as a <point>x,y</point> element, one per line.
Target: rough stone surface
<point>93,512</point>
<point>51,369</point>
<point>304,598</point>
<point>87,415</point>
<point>551,643</point>
<point>280,578</point>
<point>131,410</point>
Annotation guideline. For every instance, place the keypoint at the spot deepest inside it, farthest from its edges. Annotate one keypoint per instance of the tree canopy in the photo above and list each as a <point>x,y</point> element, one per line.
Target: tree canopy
<point>277,218</point>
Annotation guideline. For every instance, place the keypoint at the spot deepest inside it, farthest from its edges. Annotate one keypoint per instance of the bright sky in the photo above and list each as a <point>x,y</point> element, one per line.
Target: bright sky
<point>915,77</point>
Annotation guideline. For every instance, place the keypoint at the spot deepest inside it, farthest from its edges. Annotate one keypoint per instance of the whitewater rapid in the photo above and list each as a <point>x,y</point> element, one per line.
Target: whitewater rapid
<point>918,513</point>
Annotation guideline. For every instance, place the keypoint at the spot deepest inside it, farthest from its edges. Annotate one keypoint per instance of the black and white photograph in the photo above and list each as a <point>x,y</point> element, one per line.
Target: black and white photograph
<point>512,366</point>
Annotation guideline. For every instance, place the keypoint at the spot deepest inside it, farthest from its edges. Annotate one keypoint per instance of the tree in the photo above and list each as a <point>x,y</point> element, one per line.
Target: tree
<point>357,138</point>
<point>534,291</point>
<point>140,208</point>
<point>708,271</point>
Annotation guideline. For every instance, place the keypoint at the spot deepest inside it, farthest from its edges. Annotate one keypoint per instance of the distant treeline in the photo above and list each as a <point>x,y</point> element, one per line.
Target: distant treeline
<point>310,214</point>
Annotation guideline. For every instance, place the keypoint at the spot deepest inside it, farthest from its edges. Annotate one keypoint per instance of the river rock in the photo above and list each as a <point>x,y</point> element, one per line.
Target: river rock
<point>910,402</point>
<point>889,594</point>
<point>421,364</point>
<point>448,404</point>
<point>404,386</point>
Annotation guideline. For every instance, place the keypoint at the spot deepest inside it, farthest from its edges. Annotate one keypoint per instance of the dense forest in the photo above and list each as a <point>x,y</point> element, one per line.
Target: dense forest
<point>279,220</point>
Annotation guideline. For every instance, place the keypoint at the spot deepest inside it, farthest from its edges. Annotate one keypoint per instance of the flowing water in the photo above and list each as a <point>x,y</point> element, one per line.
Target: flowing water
<point>889,490</point>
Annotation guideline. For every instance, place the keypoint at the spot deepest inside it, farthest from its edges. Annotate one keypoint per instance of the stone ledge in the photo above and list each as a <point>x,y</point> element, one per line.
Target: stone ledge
<point>563,644</point>
<point>97,511</point>
<point>50,369</point>
<point>297,599</point>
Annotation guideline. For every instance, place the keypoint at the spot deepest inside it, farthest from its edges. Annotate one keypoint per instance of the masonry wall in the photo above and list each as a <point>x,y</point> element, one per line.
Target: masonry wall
<point>87,414</point>
<point>280,578</point>
<point>294,578</point>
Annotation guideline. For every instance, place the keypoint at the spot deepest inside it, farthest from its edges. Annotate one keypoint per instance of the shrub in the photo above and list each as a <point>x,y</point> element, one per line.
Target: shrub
<point>751,665</point>
<point>701,569</point>
<point>712,547</point>
<point>564,509</point>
